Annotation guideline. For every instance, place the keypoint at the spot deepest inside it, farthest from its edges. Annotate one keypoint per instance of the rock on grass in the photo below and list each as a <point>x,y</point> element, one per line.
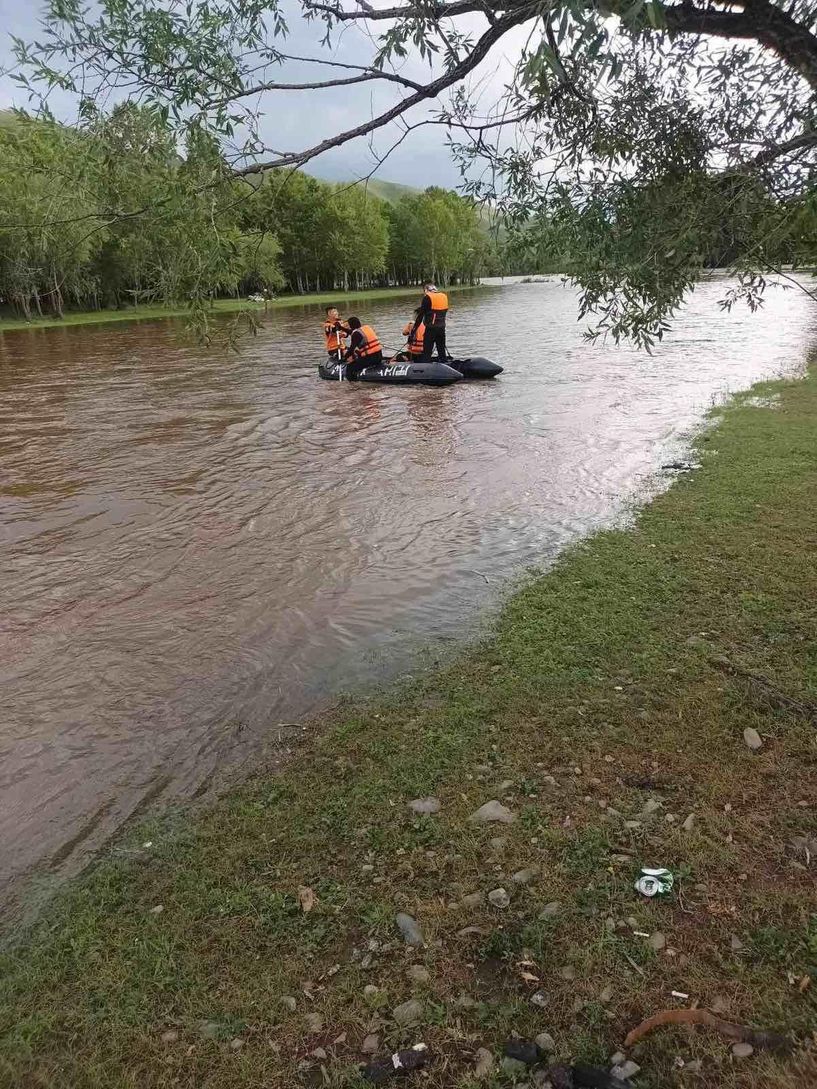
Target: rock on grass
<point>425,806</point>
<point>408,927</point>
<point>492,811</point>
<point>752,738</point>
<point>408,1013</point>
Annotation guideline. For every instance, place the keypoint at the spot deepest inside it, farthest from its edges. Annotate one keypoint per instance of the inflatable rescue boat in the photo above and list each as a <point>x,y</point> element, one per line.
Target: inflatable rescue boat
<point>405,371</point>
<point>399,374</point>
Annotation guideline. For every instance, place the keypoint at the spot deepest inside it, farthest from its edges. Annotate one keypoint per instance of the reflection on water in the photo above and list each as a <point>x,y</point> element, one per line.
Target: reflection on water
<point>197,545</point>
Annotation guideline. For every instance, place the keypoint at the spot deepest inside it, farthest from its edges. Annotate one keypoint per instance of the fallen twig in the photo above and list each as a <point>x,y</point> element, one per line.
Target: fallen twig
<point>759,1038</point>
<point>808,710</point>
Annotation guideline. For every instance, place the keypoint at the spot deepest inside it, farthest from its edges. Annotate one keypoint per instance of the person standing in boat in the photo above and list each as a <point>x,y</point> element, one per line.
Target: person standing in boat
<point>365,349</point>
<point>433,312</point>
<point>335,331</point>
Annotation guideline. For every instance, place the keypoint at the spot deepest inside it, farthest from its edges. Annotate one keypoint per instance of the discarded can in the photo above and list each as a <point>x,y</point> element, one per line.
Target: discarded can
<point>654,882</point>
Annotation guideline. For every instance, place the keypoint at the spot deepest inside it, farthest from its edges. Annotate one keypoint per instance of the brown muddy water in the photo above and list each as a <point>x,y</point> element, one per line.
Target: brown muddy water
<point>198,546</point>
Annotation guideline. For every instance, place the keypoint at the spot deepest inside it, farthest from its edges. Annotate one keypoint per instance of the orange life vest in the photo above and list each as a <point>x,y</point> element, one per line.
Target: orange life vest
<point>371,344</point>
<point>415,338</point>
<point>439,307</point>
<point>334,337</point>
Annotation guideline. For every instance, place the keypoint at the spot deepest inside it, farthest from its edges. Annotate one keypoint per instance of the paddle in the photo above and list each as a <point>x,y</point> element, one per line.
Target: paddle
<point>340,356</point>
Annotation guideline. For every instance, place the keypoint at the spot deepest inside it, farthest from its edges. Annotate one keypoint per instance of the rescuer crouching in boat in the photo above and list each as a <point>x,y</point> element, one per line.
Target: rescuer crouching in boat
<point>413,331</point>
<point>365,349</point>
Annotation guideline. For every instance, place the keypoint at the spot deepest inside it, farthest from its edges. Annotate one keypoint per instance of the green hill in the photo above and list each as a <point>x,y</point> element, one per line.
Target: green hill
<point>389,191</point>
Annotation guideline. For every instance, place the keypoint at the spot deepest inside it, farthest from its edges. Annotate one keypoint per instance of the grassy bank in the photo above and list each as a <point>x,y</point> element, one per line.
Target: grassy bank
<point>225,306</point>
<point>608,715</point>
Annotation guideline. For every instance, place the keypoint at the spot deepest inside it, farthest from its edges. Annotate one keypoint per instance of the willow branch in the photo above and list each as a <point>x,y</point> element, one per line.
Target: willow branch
<point>430,90</point>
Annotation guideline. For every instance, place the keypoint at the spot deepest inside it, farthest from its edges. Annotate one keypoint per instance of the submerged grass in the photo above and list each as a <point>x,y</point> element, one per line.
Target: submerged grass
<point>620,682</point>
<point>223,306</point>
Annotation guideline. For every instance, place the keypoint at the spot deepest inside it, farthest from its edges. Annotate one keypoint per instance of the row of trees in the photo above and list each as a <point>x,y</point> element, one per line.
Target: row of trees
<point>113,213</point>
<point>73,226</point>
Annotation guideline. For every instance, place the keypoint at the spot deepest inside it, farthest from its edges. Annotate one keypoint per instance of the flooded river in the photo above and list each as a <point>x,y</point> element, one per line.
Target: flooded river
<point>197,546</point>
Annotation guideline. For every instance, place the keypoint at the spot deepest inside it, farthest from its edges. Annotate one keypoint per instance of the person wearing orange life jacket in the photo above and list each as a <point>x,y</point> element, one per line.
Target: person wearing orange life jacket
<point>433,312</point>
<point>413,331</point>
<point>365,349</point>
<point>335,331</point>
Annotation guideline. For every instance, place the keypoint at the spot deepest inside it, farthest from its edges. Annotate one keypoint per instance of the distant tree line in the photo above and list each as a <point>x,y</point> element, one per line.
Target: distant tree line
<point>114,213</point>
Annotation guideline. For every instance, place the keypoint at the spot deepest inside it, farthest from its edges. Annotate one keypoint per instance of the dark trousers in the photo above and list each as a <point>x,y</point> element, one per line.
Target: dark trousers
<point>434,335</point>
<point>354,367</point>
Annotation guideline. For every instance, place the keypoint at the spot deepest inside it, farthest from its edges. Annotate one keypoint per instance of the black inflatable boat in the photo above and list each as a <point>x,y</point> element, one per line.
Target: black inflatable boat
<point>476,367</point>
<point>401,374</point>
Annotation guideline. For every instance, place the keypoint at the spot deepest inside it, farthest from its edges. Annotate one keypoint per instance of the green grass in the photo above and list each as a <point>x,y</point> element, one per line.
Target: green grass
<point>225,306</point>
<point>603,686</point>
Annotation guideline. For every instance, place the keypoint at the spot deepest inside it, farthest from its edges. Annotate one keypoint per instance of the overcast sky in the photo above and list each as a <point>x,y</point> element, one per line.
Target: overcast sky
<point>293,120</point>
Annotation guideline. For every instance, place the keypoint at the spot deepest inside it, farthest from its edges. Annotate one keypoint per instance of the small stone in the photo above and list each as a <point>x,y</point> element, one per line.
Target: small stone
<point>157,909</point>
<point>742,1051</point>
<point>499,898</point>
<point>524,877</point>
<point>631,825</point>
<point>524,1050</point>
<point>632,922</point>
<point>652,805</point>
<point>237,1044</point>
<point>288,1002</point>
<point>752,739</point>
<point>319,1053</point>
<point>370,1044</point>
<point>369,991</point>
<point>408,1013</point>
<point>513,1067</point>
<point>657,941</point>
<point>466,1001</point>
<point>567,972</point>
<point>425,806</point>
<point>545,1042</point>
<point>539,998</point>
<point>418,973</point>
<point>412,935</point>
<point>340,1039</point>
<point>313,1022</point>
<point>485,1063</point>
<point>694,1066</point>
<point>606,995</point>
<point>467,931</point>
<point>492,811</point>
<point>549,911</point>
<point>625,1070</point>
<point>504,786</point>
<point>472,900</point>
<point>618,1058</point>
<point>498,844</point>
<point>736,943</point>
<point>169,1037</point>
<point>210,1030</point>
<point>367,868</point>
<point>689,823</point>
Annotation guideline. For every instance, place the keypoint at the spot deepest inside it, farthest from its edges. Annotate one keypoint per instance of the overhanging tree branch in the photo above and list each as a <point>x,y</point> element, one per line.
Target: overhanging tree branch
<point>430,90</point>
<point>759,21</point>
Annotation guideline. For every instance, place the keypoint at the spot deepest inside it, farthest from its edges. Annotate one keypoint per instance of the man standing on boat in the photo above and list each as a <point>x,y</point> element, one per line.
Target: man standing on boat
<point>433,311</point>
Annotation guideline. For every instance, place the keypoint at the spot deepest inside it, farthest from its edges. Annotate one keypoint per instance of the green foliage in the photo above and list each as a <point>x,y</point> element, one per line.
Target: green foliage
<point>439,235</point>
<point>634,143</point>
<point>112,214</point>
